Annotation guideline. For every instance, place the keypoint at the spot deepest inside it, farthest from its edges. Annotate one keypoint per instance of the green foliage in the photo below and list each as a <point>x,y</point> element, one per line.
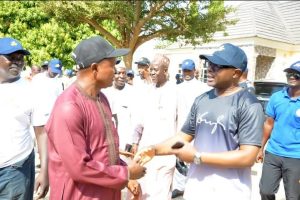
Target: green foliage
<point>42,35</point>
<point>52,28</point>
<point>130,23</point>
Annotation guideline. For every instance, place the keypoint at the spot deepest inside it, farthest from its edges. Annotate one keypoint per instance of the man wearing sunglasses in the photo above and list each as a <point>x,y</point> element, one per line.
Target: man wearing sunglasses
<point>226,126</point>
<point>282,131</point>
<point>17,113</point>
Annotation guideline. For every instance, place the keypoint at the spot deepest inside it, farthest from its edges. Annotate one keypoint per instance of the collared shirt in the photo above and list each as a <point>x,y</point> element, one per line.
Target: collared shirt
<point>285,136</point>
<point>83,149</point>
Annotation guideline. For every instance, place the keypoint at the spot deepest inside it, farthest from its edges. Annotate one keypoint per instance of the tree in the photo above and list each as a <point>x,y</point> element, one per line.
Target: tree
<point>42,35</point>
<point>130,23</point>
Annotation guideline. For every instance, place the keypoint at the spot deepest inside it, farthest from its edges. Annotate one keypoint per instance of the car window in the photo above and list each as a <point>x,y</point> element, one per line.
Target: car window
<point>267,89</point>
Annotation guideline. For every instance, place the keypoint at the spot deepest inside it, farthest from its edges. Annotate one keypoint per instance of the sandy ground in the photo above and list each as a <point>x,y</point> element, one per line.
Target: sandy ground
<point>256,173</point>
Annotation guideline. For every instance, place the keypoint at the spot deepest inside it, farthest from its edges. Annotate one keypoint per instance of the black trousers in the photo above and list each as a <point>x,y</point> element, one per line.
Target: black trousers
<point>277,167</point>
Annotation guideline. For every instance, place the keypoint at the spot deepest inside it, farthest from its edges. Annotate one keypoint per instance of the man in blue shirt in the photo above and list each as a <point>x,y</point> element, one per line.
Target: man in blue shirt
<point>282,129</point>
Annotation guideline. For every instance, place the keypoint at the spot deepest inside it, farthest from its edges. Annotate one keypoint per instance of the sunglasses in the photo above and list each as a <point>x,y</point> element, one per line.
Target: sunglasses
<point>216,68</point>
<point>293,74</point>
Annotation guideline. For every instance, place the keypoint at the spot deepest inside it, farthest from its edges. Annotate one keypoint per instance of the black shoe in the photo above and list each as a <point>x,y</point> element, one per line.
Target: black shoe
<point>176,193</point>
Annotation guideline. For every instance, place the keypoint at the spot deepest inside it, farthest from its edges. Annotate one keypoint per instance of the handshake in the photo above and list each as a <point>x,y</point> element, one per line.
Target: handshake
<point>144,156</point>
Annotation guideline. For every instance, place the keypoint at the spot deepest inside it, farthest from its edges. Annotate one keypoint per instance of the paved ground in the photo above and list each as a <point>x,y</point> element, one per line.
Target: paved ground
<point>256,173</point>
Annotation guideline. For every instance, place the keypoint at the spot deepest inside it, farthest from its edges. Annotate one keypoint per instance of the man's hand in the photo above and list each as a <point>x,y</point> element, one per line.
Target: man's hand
<point>41,186</point>
<point>134,148</point>
<point>185,153</point>
<point>260,156</point>
<point>135,188</point>
<point>145,155</point>
<point>136,171</point>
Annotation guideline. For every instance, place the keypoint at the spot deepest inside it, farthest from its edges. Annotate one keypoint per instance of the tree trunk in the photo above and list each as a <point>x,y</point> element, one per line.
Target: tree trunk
<point>128,60</point>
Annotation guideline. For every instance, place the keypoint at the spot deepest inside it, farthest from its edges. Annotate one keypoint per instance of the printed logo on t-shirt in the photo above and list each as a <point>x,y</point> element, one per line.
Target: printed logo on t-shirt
<point>201,118</point>
<point>298,113</point>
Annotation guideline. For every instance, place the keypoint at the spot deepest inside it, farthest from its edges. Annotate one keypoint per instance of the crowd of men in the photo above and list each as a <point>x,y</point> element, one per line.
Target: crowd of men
<point>100,128</point>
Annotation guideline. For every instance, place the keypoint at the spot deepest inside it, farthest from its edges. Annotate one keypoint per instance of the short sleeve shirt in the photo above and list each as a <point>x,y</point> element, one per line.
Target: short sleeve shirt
<point>285,137</point>
<point>224,123</point>
<point>221,124</point>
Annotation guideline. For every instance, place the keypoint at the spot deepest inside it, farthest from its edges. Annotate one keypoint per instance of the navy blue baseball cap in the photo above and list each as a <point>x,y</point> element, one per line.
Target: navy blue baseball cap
<point>295,66</point>
<point>55,66</point>
<point>188,64</point>
<point>228,55</point>
<point>10,45</point>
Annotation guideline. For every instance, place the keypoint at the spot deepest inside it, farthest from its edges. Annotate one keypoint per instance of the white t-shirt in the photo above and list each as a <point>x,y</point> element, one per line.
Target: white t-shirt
<point>158,119</point>
<point>17,105</point>
<point>46,90</point>
<point>187,91</point>
<point>121,103</point>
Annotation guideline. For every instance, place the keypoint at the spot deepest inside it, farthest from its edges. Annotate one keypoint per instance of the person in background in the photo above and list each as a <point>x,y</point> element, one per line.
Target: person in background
<point>187,91</point>
<point>44,66</point>
<point>18,113</point>
<point>281,159</point>
<point>226,126</point>
<point>47,86</point>
<point>245,83</point>
<point>120,97</point>
<point>83,145</point>
<point>68,78</point>
<point>178,78</point>
<point>143,68</point>
<point>157,123</point>
<point>130,76</point>
<point>197,74</point>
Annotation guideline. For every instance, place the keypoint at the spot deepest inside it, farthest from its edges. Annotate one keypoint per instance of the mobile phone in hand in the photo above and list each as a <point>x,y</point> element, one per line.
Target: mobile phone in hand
<point>177,145</point>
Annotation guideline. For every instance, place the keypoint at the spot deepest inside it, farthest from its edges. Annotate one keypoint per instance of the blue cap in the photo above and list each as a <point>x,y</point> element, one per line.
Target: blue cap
<point>9,45</point>
<point>188,64</point>
<point>55,66</point>
<point>295,66</point>
<point>69,72</point>
<point>228,55</point>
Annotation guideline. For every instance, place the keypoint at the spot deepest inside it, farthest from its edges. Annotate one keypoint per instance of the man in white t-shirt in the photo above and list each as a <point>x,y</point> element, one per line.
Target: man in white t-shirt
<point>18,113</point>
<point>47,86</point>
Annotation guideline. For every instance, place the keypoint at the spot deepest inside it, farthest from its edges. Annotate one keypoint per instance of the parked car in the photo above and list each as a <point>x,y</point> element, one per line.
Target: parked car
<point>265,88</point>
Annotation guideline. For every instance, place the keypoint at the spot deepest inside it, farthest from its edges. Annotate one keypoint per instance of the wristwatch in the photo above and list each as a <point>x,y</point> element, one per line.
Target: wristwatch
<point>197,158</point>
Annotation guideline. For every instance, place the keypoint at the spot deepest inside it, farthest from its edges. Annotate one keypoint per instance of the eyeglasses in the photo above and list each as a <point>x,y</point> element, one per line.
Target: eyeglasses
<point>293,74</point>
<point>17,59</point>
<point>216,68</point>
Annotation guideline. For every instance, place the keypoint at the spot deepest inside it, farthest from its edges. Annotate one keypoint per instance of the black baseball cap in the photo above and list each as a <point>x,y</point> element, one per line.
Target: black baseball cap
<point>143,61</point>
<point>93,50</point>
